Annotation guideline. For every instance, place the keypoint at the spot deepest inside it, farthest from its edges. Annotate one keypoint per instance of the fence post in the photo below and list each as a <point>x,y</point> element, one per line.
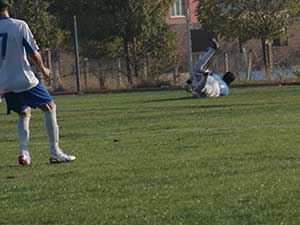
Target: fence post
<point>119,73</point>
<point>52,84</point>
<point>86,72</point>
<point>226,63</point>
<point>189,39</point>
<point>249,65</point>
<point>77,60</point>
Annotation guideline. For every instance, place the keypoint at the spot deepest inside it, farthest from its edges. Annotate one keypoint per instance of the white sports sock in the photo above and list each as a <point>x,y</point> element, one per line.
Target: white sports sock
<point>23,133</point>
<point>52,131</point>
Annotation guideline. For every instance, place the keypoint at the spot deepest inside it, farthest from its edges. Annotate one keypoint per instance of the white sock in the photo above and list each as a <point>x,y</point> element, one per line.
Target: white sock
<point>23,133</point>
<point>52,131</point>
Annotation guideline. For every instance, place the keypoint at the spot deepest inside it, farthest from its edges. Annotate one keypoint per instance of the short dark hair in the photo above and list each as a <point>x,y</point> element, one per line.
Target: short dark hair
<point>4,4</point>
<point>228,78</point>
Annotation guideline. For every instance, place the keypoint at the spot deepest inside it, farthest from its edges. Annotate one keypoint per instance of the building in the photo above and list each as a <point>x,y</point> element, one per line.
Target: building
<point>176,18</point>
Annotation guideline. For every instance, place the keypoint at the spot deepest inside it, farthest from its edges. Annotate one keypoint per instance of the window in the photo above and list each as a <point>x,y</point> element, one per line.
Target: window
<point>178,8</point>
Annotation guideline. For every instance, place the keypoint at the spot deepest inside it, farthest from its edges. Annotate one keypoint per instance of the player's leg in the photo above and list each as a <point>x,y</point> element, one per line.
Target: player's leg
<point>51,126</point>
<point>14,102</point>
<point>23,130</point>
<point>52,129</point>
<point>204,60</point>
<point>23,135</point>
<point>39,97</point>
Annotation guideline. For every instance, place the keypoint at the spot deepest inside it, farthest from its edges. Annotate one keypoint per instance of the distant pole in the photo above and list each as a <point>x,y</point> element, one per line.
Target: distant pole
<point>86,72</point>
<point>189,38</point>
<point>49,64</point>
<point>51,83</point>
<point>49,58</point>
<point>249,65</point>
<point>119,73</point>
<point>226,63</point>
<point>77,60</point>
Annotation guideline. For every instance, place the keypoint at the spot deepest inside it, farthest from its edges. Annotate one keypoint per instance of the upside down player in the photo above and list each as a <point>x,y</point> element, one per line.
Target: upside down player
<point>204,83</point>
<point>22,90</point>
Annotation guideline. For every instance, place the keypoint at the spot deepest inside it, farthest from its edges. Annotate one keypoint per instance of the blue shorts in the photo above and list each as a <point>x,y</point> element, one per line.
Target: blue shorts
<point>32,98</point>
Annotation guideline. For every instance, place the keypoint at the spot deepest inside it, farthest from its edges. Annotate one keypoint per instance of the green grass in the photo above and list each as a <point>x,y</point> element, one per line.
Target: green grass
<point>159,159</point>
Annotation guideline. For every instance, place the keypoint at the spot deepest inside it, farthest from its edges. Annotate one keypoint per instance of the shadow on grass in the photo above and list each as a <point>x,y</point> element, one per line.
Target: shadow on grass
<point>172,99</point>
<point>211,106</point>
<point>9,167</point>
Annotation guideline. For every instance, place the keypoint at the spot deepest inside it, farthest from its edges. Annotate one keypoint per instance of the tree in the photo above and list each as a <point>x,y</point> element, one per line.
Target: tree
<point>132,29</point>
<point>42,23</point>
<point>246,19</point>
<point>146,35</point>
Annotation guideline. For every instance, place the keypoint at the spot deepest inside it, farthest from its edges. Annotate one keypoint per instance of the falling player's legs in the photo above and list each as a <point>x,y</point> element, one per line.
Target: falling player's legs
<point>199,68</point>
<point>202,63</point>
<point>204,60</point>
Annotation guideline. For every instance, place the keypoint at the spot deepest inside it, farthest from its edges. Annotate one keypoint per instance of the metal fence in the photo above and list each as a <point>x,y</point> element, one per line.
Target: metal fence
<point>100,72</point>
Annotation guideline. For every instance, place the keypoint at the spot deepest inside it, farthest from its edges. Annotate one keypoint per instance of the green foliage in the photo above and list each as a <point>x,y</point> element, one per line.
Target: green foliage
<point>246,19</point>
<point>42,23</point>
<point>134,29</point>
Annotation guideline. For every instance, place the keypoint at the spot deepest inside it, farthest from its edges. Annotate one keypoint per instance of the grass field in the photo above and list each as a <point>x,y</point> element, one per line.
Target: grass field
<point>159,159</point>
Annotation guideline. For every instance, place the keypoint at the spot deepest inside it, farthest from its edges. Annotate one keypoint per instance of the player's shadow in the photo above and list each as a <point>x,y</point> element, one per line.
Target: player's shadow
<point>209,106</point>
<point>9,167</point>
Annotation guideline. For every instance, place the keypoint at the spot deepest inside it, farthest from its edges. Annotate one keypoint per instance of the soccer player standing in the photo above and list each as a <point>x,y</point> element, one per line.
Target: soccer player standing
<point>22,90</point>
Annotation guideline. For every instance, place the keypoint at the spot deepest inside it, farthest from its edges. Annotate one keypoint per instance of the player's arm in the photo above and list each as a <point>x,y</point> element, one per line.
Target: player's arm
<point>38,61</point>
<point>32,49</point>
<point>201,88</point>
<point>188,85</point>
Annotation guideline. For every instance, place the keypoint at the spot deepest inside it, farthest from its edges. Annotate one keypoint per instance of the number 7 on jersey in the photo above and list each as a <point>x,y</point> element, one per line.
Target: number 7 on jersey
<point>3,46</point>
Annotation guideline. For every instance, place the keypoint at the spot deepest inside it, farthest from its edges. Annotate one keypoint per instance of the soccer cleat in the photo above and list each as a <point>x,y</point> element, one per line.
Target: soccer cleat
<point>24,160</point>
<point>215,44</point>
<point>61,158</point>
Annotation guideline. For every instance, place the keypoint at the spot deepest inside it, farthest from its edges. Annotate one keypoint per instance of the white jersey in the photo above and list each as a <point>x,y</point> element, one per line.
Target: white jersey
<point>16,40</point>
<point>212,87</point>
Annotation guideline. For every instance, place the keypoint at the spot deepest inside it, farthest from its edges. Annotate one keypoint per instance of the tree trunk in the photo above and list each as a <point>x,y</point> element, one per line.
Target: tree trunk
<point>135,61</point>
<point>146,64</point>
<point>86,73</point>
<point>175,73</point>
<point>268,58</point>
<point>226,66</point>
<point>101,79</point>
<point>128,63</point>
<point>119,75</point>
